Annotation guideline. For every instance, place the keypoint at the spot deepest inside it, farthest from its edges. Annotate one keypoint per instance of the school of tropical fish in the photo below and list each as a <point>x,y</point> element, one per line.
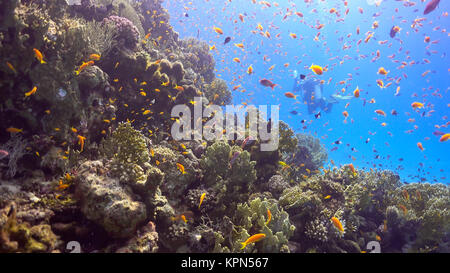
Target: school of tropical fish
<point>87,152</point>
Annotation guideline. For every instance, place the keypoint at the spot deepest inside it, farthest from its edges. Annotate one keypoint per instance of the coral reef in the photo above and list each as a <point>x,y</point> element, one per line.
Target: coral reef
<point>234,181</point>
<point>127,33</point>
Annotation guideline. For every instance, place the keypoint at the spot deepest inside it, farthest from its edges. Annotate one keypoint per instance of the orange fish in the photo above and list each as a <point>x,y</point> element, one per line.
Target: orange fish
<point>419,144</point>
<point>416,105</point>
<point>94,57</point>
<point>179,88</point>
<point>83,66</point>
<point>250,70</point>
<point>444,137</point>
<point>253,239</point>
<point>269,216</point>
<point>345,113</point>
<point>11,67</point>
<point>352,168</point>
<point>356,92</point>
<point>31,92</point>
<point>382,71</point>
<point>380,112</point>
<point>14,130</point>
<point>81,140</point>
<point>39,56</point>
<point>337,224</point>
<point>218,30</point>
<point>380,83</point>
<point>289,95</point>
<point>316,69</point>
<point>201,199</point>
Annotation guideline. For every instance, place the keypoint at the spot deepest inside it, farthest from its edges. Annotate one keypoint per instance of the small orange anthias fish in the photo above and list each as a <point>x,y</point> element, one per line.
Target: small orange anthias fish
<point>94,57</point>
<point>269,216</point>
<point>290,95</point>
<point>62,186</point>
<point>417,105</point>
<point>337,224</point>
<point>444,137</point>
<point>31,92</point>
<point>420,146</point>
<point>318,70</point>
<point>356,92</point>
<point>253,239</point>
<point>201,199</point>
<point>183,216</point>
<point>352,168</point>
<point>83,66</point>
<point>39,56</point>
<point>14,130</point>
<point>81,140</point>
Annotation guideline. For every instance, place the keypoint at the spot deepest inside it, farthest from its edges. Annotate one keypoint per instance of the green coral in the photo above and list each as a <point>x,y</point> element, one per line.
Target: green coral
<point>233,181</point>
<point>427,206</point>
<point>288,141</point>
<point>176,183</point>
<point>128,150</point>
<point>253,217</point>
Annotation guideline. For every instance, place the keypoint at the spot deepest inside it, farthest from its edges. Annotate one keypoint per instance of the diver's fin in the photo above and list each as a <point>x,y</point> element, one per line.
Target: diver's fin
<point>332,99</point>
<point>302,76</point>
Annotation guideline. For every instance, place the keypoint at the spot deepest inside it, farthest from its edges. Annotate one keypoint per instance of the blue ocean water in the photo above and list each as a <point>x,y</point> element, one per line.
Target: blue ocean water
<point>423,76</point>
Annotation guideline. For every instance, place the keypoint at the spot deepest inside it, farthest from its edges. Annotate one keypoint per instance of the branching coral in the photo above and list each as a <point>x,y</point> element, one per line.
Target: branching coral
<point>425,207</point>
<point>232,182</point>
<point>128,150</point>
<point>254,218</point>
<point>16,147</point>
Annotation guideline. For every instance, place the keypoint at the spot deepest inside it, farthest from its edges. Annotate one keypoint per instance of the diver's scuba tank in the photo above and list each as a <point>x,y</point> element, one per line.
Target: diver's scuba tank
<point>295,74</point>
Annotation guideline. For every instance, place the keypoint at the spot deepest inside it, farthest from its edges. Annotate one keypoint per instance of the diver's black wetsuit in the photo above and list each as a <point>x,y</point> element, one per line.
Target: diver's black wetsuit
<point>307,88</point>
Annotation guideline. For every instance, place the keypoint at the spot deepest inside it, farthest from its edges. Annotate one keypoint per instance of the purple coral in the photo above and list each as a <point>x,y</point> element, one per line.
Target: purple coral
<point>126,30</point>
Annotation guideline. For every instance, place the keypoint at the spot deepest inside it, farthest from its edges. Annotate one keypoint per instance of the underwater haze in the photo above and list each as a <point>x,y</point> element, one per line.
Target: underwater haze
<point>115,134</point>
<point>418,68</point>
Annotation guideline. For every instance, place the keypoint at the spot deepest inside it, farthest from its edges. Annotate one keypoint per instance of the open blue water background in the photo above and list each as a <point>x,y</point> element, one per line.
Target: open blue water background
<point>391,146</point>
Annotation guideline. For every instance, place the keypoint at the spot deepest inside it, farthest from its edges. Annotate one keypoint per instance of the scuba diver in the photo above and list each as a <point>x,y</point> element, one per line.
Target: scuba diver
<point>312,93</point>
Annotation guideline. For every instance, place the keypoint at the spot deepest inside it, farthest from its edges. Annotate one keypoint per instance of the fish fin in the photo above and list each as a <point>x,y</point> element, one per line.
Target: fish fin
<point>43,62</point>
<point>243,245</point>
